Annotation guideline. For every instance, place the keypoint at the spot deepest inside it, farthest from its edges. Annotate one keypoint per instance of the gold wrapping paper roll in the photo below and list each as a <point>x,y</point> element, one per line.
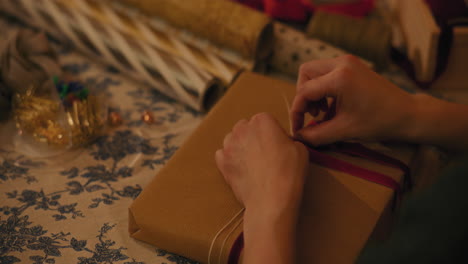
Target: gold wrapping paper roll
<point>222,22</point>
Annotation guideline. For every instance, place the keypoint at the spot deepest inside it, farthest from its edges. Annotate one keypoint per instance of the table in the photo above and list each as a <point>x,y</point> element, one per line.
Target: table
<point>72,208</point>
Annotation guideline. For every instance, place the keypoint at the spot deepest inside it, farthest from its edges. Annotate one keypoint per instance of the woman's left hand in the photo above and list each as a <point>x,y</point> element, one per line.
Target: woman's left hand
<point>263,165</point>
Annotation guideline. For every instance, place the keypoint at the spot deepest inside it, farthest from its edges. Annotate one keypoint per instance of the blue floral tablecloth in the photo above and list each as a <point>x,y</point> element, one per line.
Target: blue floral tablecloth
<point>73,208</point>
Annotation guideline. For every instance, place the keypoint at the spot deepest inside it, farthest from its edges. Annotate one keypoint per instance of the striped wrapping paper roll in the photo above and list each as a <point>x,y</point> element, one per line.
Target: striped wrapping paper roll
<point>147,50</point>
<point>292,48</point>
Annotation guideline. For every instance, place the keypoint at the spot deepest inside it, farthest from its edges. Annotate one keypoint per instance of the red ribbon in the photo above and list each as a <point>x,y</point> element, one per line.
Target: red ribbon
<point>327,161</point>
<point>331,162</point>
<point>358,150</point>
<point>354,149</point>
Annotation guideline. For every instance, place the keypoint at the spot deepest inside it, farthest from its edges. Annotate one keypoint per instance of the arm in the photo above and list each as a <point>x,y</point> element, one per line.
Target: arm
<point>431,226</point>
<point>266,172</point>
<point>269,239</point>
<point>368,107</point>
<point>436,122</point>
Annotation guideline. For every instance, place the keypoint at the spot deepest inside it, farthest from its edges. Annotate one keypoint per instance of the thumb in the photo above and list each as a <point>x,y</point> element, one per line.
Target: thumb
<point>324,133</point>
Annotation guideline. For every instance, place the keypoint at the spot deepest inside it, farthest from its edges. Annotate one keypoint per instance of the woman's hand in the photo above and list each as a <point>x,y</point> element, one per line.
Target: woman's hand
<point>367,106</point>
<point>265,169</point>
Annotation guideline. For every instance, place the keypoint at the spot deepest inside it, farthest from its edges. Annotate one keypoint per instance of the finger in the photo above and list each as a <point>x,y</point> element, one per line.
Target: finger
<point>314,69</point>
<point>262,119</point>
<point>268,125</point>
<point>226,140</point>
<point>219,158</point>
<point>312,91</point>
<point>240,125</point>
<point>324,133</point>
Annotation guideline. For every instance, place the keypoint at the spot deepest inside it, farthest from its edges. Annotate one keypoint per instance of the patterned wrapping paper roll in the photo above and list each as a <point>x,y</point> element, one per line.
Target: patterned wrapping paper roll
<point>222,22</point>
<point>100,32</point>
<point>222,63</point>
<point>292,48</point>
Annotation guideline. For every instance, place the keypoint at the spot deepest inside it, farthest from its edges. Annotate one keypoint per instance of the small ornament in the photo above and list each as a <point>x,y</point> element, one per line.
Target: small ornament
<point>147,117</point>
<point>115,119</point>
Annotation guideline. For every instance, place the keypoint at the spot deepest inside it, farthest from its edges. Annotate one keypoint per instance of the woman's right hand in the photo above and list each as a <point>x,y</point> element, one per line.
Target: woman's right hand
<point>367,106</point>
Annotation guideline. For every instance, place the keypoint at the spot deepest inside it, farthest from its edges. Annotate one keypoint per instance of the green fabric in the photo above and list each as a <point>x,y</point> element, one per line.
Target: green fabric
<point>432,226</point>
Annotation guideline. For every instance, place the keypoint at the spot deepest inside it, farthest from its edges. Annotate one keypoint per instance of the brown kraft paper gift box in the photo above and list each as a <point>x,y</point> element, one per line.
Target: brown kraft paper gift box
<point>189,210</point>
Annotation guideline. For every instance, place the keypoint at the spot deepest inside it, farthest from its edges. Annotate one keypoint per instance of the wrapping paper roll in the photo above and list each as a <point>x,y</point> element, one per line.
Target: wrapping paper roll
<point>223,22</point>
<point>101,32</point>
<point>222,63</point>
<point>367,37</point>
<point>292,48</point>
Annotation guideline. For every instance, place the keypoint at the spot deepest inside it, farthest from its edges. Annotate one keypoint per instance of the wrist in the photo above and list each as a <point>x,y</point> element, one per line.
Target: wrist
<point>271,217</point>
<point>420,119</point>
<point>274,234</point>
<point>276,205</point>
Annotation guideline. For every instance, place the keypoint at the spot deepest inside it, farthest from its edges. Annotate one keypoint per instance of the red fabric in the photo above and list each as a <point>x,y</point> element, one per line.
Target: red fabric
<point>298,10</point>
<point>359,150</point>
<point>236,250</point>
<point>357,9</point>
<point>292,10</point>
<point>330,162</point>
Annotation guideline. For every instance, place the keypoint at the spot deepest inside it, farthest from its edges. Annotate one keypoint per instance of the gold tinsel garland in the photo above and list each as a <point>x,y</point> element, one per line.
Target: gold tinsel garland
<point>48,121</point>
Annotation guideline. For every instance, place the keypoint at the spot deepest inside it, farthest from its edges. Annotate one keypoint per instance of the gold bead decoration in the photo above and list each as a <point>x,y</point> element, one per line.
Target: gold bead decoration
<point>147,117</point>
